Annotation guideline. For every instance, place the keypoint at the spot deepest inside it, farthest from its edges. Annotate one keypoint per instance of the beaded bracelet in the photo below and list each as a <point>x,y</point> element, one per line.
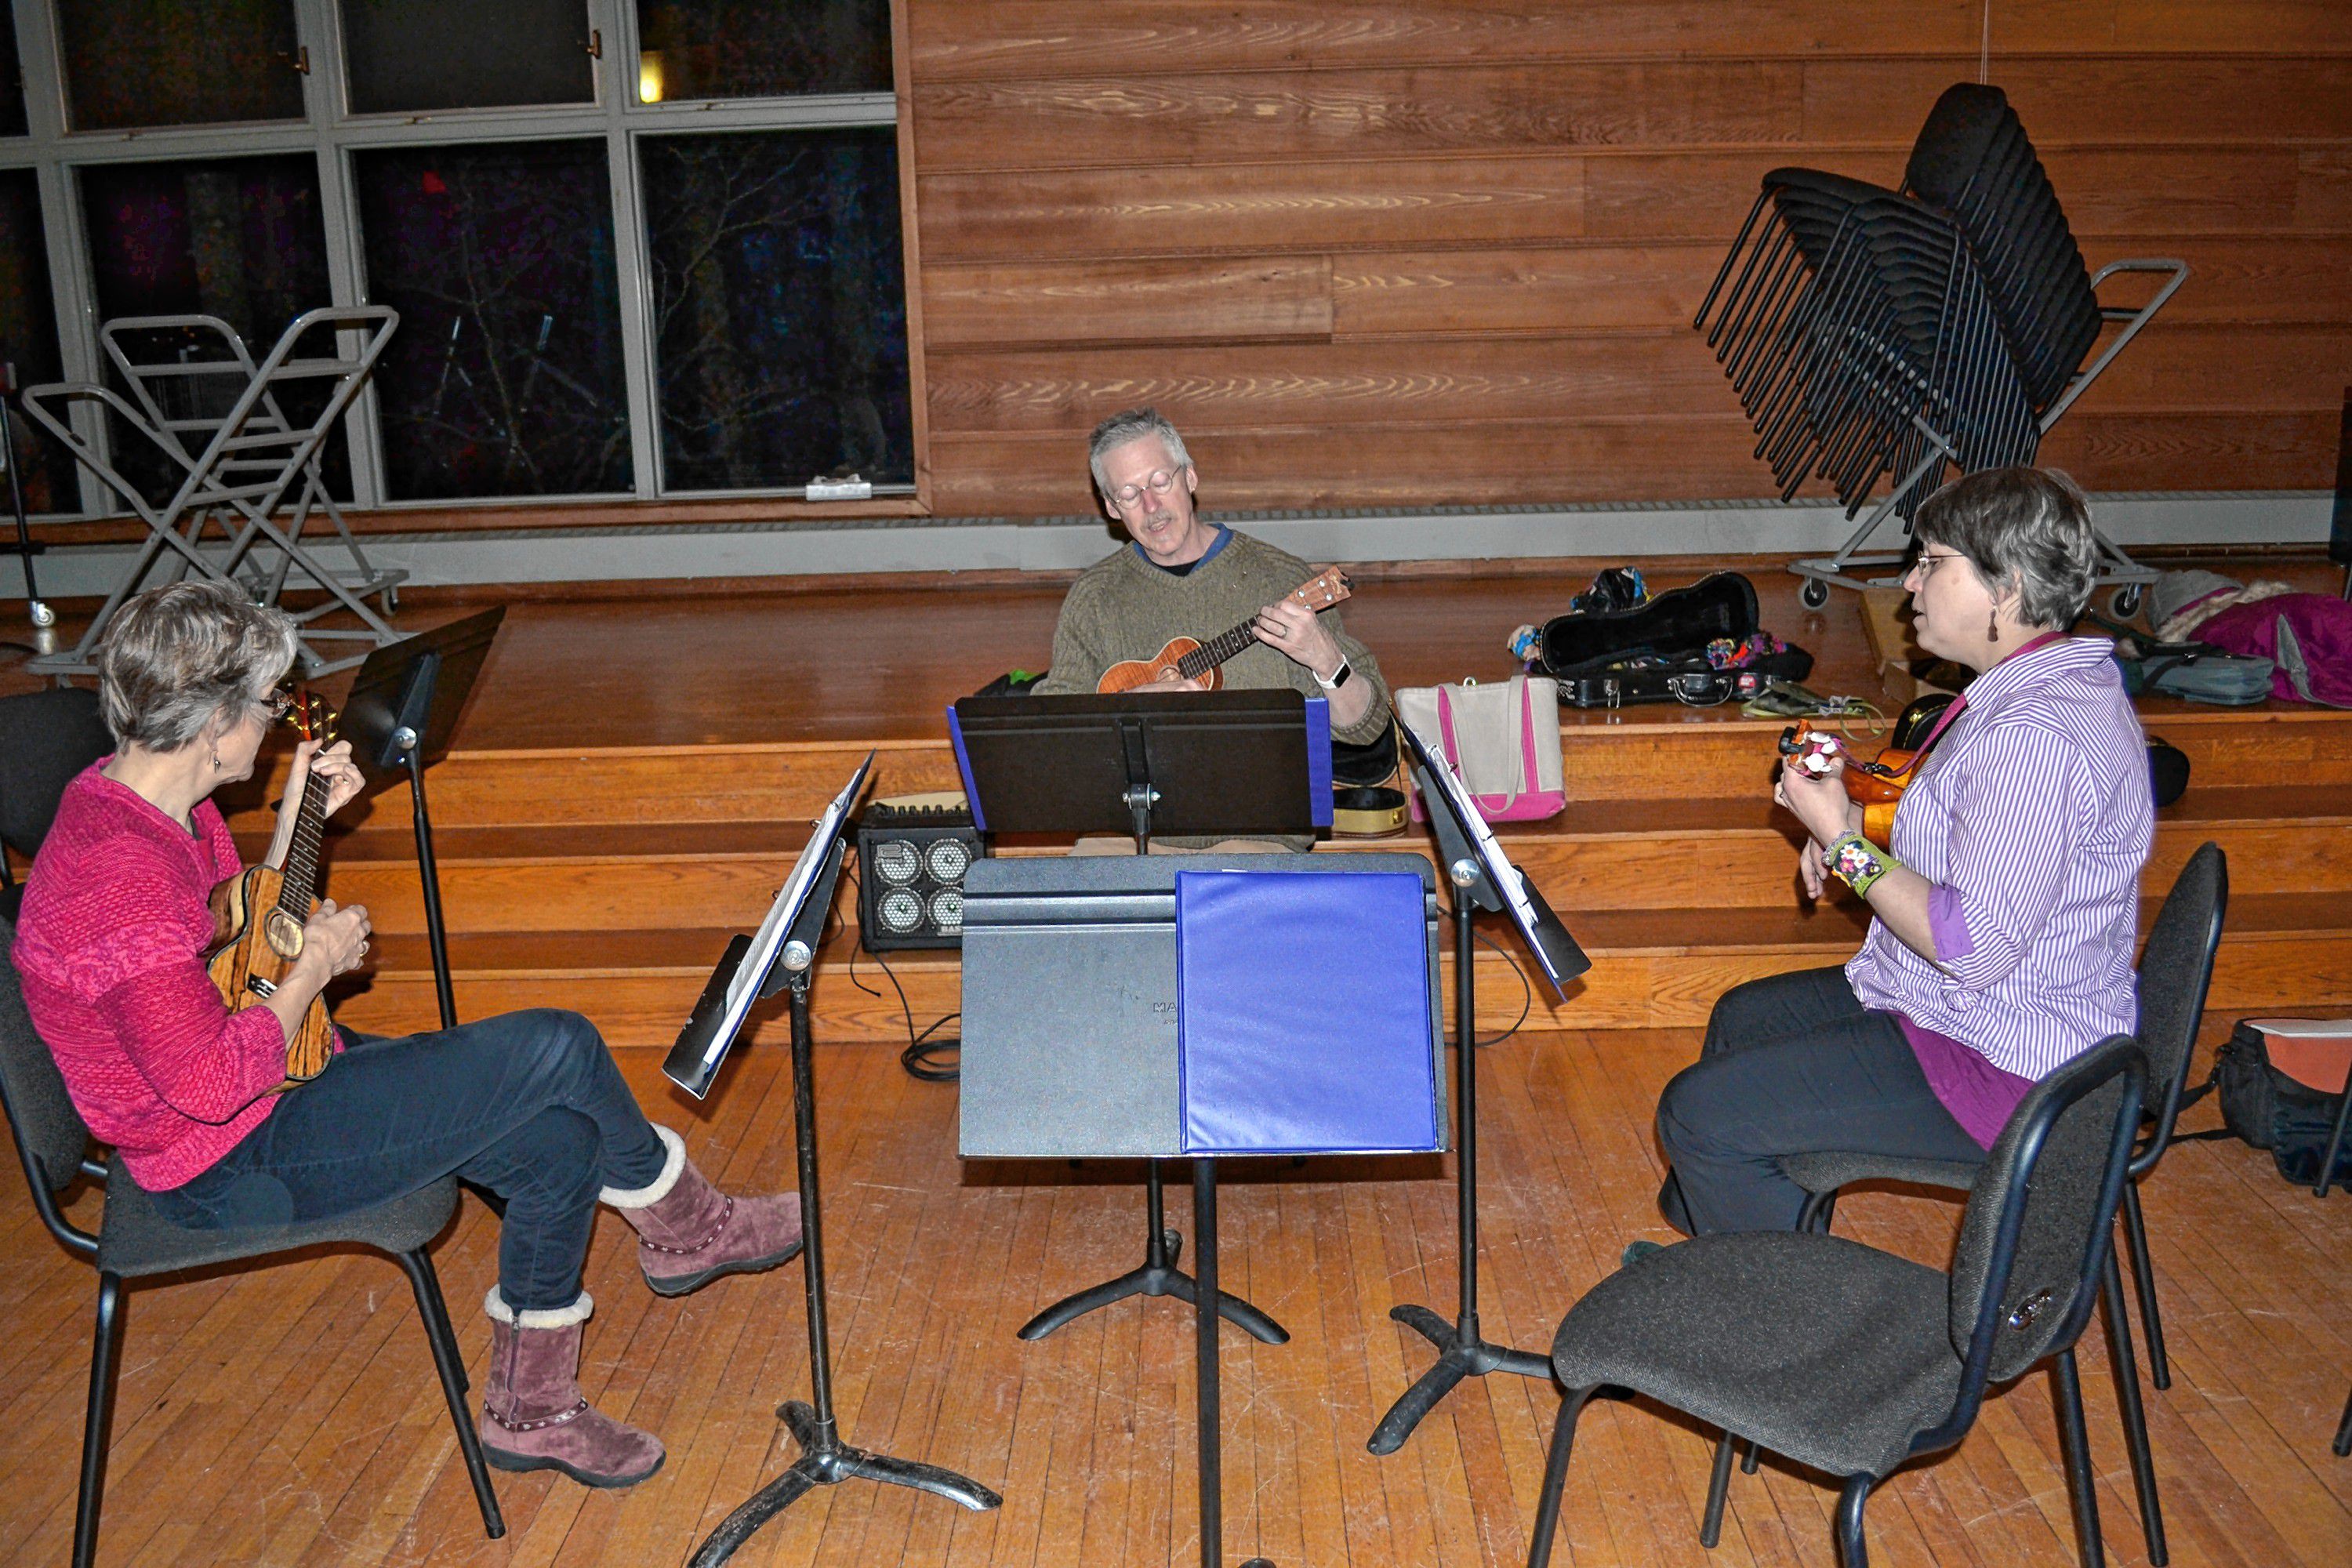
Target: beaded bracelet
<point>1858,863</point>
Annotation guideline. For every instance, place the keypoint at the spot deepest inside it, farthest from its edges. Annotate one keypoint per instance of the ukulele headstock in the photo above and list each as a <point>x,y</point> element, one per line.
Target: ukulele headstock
<point>1324,589</point>
<point>308,715</point>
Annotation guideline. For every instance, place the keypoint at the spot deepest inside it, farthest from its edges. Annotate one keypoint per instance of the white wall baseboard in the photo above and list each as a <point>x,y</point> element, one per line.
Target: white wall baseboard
<point>2219,519</point>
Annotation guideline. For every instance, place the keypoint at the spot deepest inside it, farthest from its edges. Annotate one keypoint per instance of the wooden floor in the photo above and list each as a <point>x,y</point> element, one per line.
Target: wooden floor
<point>291,1416</point>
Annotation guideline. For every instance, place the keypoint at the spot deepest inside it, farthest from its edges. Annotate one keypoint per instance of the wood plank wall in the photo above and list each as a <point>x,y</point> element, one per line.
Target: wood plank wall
<point>1380,253</point>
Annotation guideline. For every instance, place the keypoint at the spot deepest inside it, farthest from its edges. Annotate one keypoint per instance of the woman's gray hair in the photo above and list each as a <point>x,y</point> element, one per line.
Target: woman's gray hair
<point>174,658</point>
<point>2029,526</point>
<point>1133,424</point>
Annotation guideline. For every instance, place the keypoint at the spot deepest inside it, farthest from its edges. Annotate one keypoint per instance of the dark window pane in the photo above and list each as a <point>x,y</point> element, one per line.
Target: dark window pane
<point>178,62</point>
<point>28,338</point>
<point>780,307</point>
<point>12,76</point>
<point>239,238</point>
<point>505,378</point>
<point>758,49</point>
<point>408,57</point>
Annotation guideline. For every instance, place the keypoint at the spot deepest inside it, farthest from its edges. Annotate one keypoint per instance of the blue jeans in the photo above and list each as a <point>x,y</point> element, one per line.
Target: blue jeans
<point>528,1105</point>
<point>1794,1064</point>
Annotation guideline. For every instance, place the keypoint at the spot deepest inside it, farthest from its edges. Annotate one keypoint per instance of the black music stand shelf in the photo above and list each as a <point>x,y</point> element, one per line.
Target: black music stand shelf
<point>1475,868</point>
<point>693,1064</point>
<point>403,709</point>
<point>1224,764</point>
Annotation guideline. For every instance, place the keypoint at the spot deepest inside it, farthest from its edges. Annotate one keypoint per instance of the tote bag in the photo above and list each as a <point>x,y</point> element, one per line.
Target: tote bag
<point>1503,740</point>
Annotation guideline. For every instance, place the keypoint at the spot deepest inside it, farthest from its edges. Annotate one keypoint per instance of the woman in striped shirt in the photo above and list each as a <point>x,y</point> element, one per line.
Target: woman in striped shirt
<point>2004,912</point>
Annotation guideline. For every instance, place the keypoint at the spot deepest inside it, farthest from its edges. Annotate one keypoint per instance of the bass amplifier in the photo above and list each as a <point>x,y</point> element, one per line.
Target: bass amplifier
<point>913,853</point>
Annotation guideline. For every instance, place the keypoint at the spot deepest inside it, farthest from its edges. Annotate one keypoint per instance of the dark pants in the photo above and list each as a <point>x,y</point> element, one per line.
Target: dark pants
<point>528,1105</point>
<point>1794,1064</point>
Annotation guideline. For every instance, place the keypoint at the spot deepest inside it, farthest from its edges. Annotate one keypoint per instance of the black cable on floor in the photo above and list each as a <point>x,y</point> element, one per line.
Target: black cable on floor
<point>1526,992</point>
<point>924,1057</point>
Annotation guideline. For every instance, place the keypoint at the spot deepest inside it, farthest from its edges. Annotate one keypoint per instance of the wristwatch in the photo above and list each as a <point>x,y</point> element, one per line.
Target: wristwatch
<point>1338,680</point>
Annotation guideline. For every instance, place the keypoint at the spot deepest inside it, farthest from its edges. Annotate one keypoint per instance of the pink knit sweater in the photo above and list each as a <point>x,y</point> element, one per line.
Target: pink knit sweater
<point>110,944</point>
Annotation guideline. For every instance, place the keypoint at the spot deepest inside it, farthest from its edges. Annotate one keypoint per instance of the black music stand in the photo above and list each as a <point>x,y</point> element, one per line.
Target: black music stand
<point>1224,765</point>
<point>403,706</point>
<point>785,955</point>
<point>1482,878</point>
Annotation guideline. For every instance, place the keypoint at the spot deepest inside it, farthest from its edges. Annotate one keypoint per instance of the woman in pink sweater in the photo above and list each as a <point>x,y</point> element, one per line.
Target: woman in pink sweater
<point>530,1105</point>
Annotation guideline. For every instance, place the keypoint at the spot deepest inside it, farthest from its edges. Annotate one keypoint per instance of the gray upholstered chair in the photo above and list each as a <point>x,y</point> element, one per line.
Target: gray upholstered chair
<point>45,738</point>
<point>133,1240</point>
<point>1852,1361</point>
<point>2175,971</point>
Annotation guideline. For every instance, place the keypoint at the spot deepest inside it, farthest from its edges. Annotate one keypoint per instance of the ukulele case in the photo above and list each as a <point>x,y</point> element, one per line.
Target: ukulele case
<point>1656,650</point>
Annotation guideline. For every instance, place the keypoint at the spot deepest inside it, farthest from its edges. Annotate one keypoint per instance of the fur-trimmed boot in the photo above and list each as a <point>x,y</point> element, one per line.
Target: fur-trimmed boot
<point>689,1233</point>
<point>534,1416</point>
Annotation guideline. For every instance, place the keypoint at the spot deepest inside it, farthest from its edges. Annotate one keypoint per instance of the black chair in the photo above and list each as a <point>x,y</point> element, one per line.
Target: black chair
<point>134,1240</point>
<point>2344,1430</point>
<point>45,738</point>
<point>2176,970</point>
<point>1852,1361</point>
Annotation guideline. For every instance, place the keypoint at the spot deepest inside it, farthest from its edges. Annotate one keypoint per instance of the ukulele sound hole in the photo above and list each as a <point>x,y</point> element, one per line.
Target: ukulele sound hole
<point>284,933</point>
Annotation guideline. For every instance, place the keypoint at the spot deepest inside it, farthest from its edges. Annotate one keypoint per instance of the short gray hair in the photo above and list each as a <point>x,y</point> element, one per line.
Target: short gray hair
<point>1132,424</point>
<point>2030,525</point>
<point>174,658</point>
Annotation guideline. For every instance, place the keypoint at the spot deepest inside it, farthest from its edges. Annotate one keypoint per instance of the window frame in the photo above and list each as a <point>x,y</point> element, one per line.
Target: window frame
<point>333,136</point>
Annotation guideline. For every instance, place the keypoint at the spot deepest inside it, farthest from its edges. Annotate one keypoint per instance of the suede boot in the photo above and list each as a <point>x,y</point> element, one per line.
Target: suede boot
<point>534,1416</point>
<point>689,1233</point>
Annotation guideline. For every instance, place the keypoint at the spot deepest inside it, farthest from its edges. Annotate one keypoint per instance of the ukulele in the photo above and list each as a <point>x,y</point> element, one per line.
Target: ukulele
<point>258,915</point>
<point>1185,658</point>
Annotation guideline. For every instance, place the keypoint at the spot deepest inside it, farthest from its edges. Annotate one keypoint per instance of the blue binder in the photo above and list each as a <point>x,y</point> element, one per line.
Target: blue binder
<point>1304,1023</point>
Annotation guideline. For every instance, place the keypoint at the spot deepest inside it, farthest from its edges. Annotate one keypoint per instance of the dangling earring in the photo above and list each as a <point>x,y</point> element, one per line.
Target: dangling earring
<point>1992,625</point>
<point>216,762</point>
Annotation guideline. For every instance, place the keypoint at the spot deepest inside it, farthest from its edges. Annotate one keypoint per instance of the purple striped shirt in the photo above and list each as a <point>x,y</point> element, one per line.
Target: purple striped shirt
<point>2033,819</point>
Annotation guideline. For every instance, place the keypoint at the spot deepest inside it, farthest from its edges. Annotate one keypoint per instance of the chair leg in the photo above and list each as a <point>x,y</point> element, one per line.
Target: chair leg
<point>2335,1141</point>
<point>1563,1437</point>
<point>1819,1209</point>
<point>1711,1527</point>
<point>104,1344</point>
<point>2159,1365</point>
<point>2344,1430</point>
<point>2135,1416</point>
<point>1852,1550</point>
<point>2066,1383</point>
<point>434,1312</point>
<point>1751,1457</point>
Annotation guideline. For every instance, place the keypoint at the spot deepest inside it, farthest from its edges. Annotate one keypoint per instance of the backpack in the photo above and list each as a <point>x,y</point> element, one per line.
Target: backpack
<point>2267,1109</point>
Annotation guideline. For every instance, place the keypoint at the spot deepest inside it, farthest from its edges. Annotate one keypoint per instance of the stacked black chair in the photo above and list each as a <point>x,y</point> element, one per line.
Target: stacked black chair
<point>45,738</point>
<point>2176,970</point>
<point>1852,1361</point>
<point>1873,334</point>
<point>1863,341</point>
<point>133,1240</point>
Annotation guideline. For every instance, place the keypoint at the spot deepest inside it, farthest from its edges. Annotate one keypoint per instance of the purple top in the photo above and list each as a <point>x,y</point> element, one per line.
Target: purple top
<point>2033,819</point>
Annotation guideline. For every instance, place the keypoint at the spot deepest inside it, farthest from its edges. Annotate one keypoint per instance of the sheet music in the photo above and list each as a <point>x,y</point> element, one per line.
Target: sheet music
<point>744,988</point>
<point>1518,897</point>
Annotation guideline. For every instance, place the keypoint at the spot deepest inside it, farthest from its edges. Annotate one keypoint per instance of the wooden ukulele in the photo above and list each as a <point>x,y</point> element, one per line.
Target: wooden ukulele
<point>1185,658</point>
<point>258,915</point>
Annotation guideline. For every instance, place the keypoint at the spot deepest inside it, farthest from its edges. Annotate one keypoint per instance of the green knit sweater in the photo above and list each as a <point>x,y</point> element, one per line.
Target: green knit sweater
<point>1124,608</point>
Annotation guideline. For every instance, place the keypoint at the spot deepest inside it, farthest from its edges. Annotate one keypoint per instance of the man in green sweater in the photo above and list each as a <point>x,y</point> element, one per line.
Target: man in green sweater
<point>1183,576</point>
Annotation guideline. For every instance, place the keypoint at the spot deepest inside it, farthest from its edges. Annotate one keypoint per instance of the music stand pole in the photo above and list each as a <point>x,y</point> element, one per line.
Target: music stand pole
<point>428,872</point>
<point>824,1461</point>
<point>43,616</point>
<point>1463,1351</point>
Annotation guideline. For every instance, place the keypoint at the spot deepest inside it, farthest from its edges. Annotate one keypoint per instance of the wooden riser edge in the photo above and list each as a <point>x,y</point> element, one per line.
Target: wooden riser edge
<point>1645,758</point>
<point>1753,870</point>
<point>2292,973</point>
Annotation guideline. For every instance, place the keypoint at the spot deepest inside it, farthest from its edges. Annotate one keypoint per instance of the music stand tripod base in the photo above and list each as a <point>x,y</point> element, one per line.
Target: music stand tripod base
<point>1159,1276</point>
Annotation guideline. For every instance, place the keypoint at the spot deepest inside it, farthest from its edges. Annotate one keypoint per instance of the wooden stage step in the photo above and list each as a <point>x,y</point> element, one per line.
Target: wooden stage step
<point>634,780</point>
